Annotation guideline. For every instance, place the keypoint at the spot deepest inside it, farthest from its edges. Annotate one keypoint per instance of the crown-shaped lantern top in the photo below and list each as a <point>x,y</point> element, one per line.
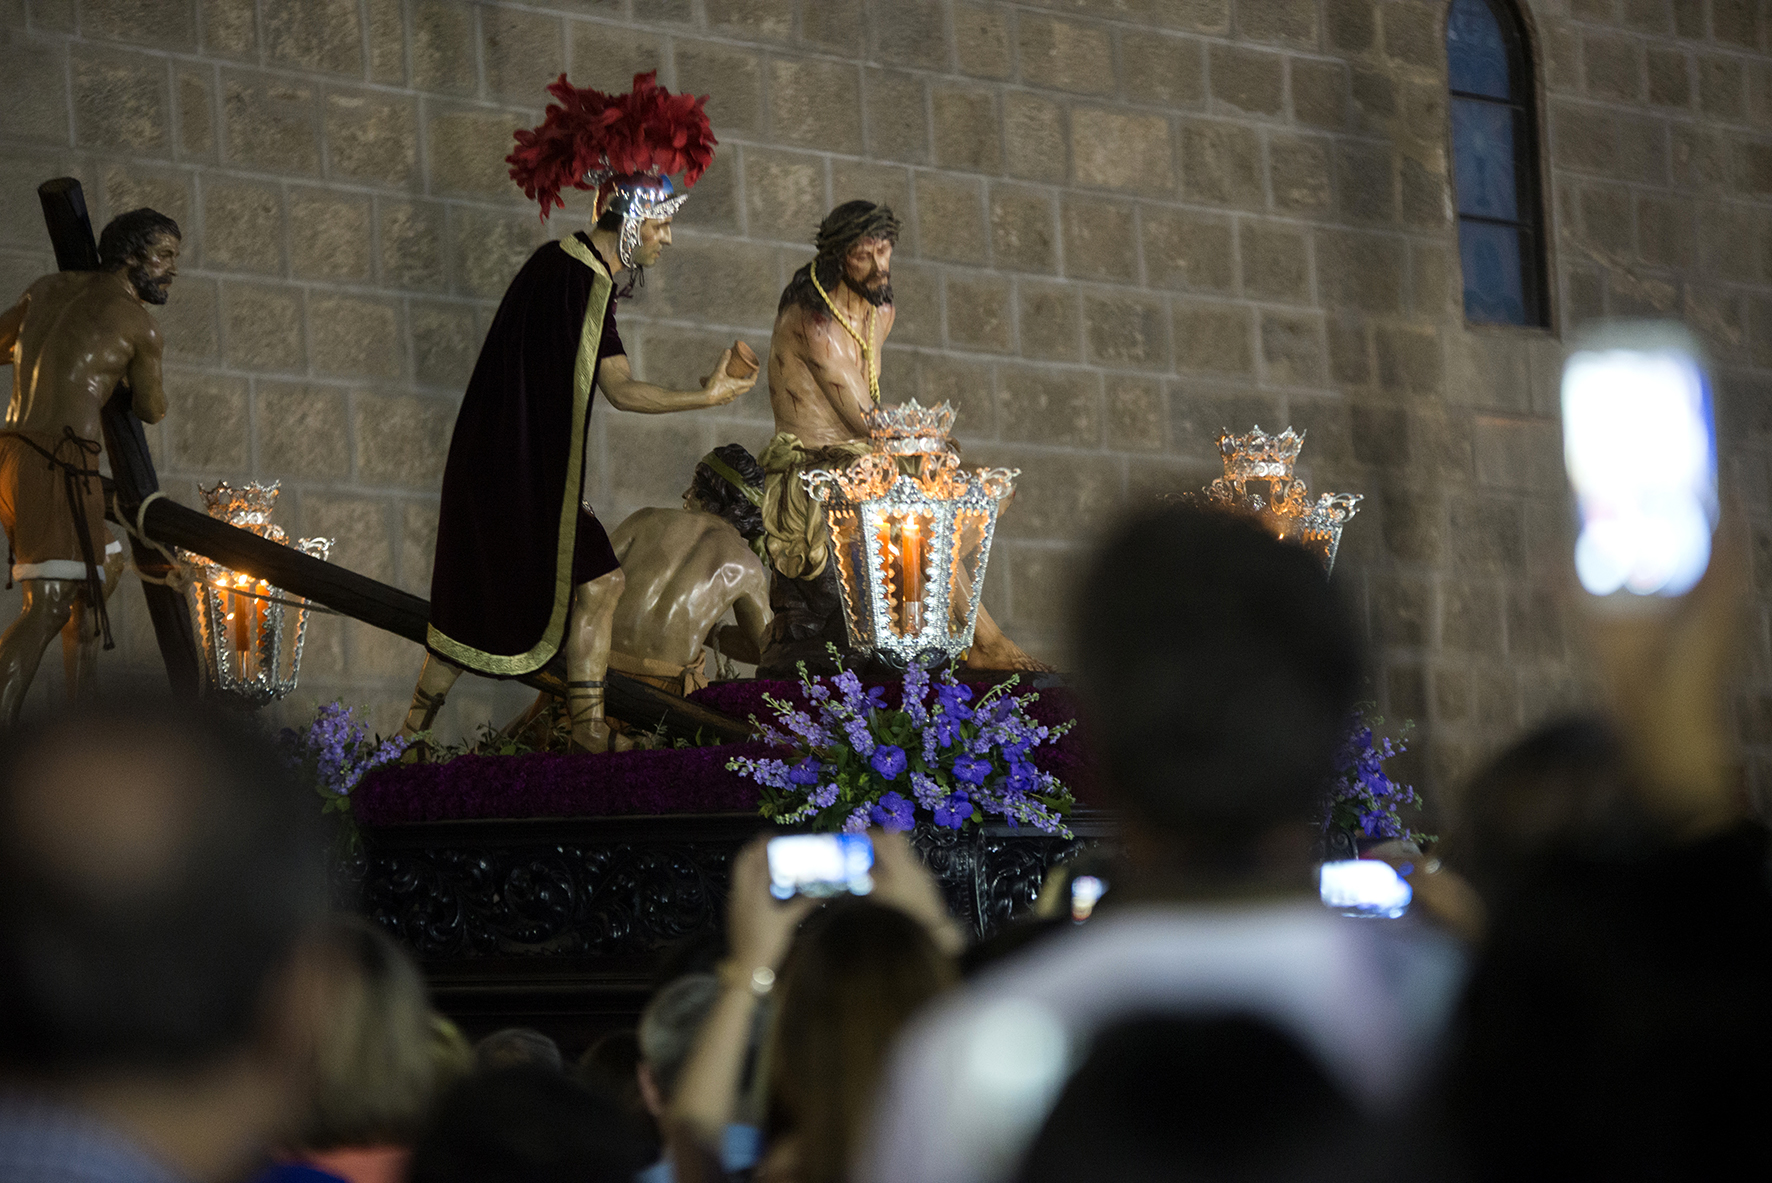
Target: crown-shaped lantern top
<point>1280,500</point>
<point>910,429</point>
<point>248,507</point>
<point>1259,454</point>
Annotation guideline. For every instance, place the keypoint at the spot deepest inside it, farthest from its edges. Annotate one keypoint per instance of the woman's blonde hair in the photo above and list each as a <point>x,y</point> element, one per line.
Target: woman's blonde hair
<point>376,1070</point>
<point>855,973</point>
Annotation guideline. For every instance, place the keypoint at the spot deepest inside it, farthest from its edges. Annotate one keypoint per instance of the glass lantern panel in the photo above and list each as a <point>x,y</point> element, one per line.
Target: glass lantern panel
<point>206,607</point>
<point>963,584</point>
<point>292,633</point>
<point>849,546</point>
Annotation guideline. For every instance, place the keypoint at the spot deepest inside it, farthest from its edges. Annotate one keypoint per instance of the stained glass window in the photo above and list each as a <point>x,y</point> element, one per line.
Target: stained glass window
<point>1495,164</point>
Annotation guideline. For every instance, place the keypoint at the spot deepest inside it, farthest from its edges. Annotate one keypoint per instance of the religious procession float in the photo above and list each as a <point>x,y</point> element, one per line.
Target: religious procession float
<point>542,871</point>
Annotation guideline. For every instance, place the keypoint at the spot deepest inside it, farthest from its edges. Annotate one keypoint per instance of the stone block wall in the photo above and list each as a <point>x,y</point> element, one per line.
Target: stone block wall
<point>1128,223</point>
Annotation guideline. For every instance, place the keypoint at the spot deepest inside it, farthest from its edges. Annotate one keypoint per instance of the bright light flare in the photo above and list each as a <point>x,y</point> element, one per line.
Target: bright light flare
<point>1364,887</point>
<point>1640,449</point>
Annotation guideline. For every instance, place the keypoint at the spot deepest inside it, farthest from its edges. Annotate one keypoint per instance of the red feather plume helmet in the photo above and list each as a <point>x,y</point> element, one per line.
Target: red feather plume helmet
<point>623,145</point>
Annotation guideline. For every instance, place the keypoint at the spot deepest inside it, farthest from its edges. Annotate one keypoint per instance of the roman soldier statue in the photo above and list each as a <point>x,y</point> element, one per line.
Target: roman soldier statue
<point>523,567</point>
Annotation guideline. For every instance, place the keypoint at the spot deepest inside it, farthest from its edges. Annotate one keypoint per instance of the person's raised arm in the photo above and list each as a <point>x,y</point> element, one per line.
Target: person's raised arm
<point>759,931</point>
<point>11,321</point>
<point>1666,676</point>
<point>144,374</point>
<point>627,393</point>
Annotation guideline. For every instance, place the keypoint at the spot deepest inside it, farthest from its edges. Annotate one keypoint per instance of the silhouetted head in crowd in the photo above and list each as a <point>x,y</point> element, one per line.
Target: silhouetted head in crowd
<point>1217,669</point>
<point>667,1032</point>
<point>611,1066</point>
<point>376,1072</point>
<point>1559,789</point>
<point>856,972</point>
<point>160,876</point>
<point>513,1046</point>
<point>525,1124</point>
<point>157,866</point>
<point>1219,1098</point>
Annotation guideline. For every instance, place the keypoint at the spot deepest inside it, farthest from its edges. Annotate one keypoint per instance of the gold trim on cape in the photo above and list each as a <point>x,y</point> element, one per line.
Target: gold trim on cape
<point>584,376</point>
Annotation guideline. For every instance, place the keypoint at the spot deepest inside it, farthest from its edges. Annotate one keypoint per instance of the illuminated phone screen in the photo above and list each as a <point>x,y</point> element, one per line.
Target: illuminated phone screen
<point>1639,443</point>
<point>1086,892</point>
<point>820,865</point>
<point>1365,888</point>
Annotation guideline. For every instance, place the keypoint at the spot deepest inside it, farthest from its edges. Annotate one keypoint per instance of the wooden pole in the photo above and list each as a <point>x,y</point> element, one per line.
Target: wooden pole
<point>70,226</point>
<point>126,444</point>
<point>361,598</point>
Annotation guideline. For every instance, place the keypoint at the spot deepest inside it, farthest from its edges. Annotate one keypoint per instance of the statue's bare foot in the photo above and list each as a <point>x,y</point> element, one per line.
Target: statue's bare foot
<point>993,650</point>
<point>1006,656</point>
<point>417,752</point>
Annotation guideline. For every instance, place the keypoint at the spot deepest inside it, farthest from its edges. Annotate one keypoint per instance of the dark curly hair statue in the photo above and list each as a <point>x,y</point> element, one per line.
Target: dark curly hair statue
<point>129,236</point>
<point>842,228</point>
<point>724,493</point>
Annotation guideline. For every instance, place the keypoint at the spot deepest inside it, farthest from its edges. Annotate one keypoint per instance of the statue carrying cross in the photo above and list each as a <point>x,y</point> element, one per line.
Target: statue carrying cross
<point>72,339</point>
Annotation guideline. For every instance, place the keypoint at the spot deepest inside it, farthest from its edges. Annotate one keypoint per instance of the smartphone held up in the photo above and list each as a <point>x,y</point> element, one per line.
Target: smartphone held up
<point>1640,447</point>
<point>820,865</point>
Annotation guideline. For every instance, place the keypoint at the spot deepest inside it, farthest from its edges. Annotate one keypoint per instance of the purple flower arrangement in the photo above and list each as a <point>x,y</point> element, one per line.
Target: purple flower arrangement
<point>858,762</point>
<point>335,751</point>
<point>1362,800</point>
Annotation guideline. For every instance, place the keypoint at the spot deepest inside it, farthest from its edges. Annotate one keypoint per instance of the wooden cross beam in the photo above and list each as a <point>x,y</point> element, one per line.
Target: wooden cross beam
<point>361,598</point>
<point>170,524</point>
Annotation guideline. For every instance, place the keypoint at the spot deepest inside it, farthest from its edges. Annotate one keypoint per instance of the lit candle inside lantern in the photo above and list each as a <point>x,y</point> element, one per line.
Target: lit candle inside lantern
<point>910,557</point>
<point>240,616</point>
<point>245,609</point>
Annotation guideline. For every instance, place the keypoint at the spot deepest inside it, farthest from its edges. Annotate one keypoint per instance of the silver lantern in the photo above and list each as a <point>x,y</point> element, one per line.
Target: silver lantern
<point>911,535</point>
<point>250,633</point>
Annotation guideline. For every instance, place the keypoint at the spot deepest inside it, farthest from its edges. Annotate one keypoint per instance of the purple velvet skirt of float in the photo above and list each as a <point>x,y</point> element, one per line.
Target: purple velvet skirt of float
<point>592,556</point>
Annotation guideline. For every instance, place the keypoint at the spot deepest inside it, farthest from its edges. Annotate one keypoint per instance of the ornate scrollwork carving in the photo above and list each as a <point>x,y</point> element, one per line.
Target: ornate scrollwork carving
<point>454,898</point>
<point>458,902</point>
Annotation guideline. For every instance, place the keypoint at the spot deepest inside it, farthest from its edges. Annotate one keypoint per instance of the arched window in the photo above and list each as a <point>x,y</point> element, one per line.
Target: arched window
<point>1495,164</point>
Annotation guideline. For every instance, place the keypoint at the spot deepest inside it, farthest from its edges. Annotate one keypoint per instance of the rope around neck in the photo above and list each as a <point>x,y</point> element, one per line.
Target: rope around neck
<point>867,346</point>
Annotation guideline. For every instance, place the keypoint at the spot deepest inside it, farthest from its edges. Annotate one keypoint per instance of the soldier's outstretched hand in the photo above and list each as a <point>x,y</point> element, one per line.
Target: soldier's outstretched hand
<point>734,374</point>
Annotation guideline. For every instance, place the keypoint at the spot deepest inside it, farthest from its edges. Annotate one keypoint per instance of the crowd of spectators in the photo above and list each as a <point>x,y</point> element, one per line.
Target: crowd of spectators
<point>1584,988</point>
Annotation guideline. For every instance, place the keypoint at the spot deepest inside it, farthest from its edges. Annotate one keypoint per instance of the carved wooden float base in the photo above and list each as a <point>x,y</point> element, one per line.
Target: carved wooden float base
<point>564,924</point>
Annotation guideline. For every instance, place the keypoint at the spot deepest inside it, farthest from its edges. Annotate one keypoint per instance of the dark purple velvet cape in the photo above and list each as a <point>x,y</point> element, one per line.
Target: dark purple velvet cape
<point>511,484</point>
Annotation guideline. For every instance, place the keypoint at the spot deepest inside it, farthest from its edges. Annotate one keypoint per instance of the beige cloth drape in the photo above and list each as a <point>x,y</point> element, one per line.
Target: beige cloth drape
<point>795,535</point>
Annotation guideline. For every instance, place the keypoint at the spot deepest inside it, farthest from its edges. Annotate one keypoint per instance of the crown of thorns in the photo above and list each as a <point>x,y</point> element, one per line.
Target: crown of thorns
<point>852,222</point>
<point>596,141</point>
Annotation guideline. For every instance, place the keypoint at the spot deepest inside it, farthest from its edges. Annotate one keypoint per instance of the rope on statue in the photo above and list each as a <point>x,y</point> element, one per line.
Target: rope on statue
<point>181,574</point>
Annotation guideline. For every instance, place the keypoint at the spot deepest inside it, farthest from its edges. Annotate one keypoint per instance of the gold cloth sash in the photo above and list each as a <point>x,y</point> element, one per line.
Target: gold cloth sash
<point>794,524</point>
